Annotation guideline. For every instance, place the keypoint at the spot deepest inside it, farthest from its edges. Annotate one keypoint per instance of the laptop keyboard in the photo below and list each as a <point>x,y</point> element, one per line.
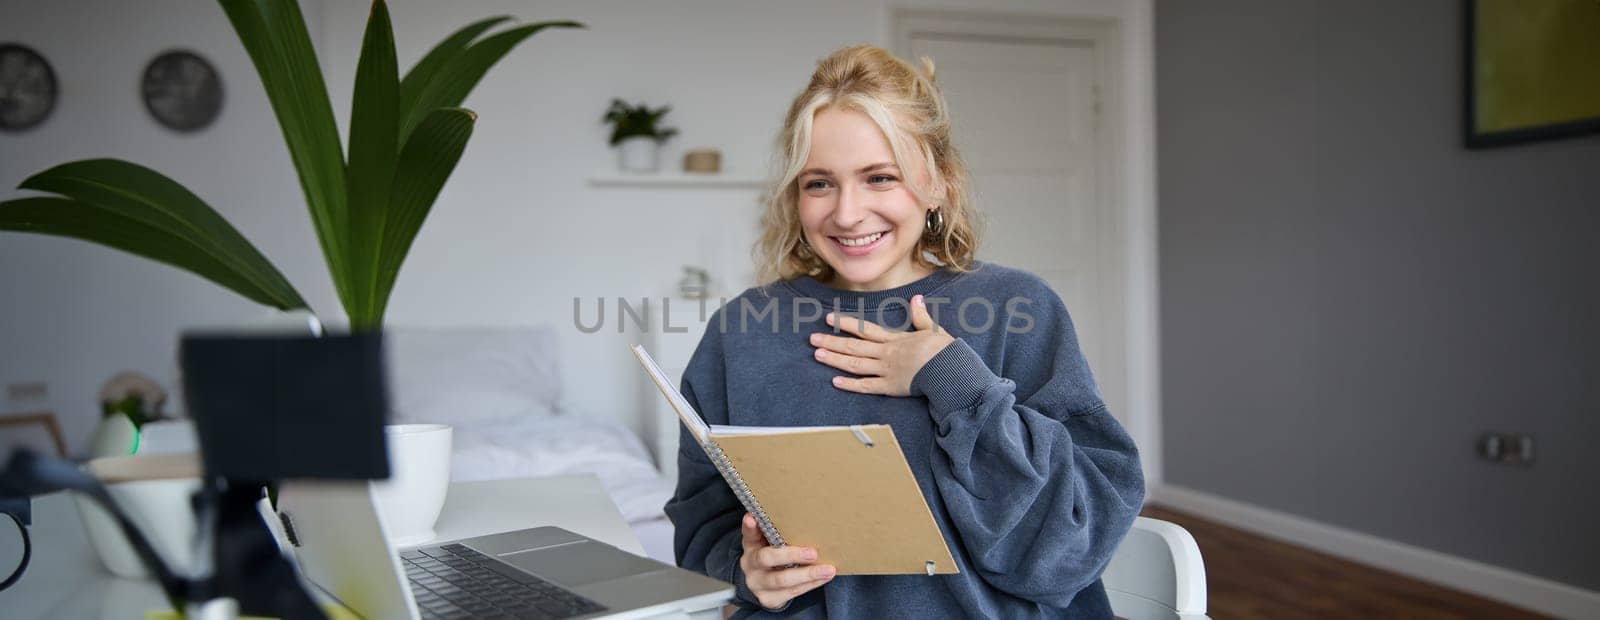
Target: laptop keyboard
<point>452,582</point>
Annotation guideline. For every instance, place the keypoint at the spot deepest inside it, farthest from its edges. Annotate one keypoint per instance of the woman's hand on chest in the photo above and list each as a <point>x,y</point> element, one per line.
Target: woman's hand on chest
<point>885,361</point>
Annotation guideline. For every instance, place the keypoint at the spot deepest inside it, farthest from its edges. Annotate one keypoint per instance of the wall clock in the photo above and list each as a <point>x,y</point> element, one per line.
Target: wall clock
<point>27,88</point>
<point>182,91</point>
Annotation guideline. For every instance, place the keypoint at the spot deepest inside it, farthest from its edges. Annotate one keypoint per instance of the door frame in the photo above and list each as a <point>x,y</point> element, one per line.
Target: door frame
<point>1125,185</point>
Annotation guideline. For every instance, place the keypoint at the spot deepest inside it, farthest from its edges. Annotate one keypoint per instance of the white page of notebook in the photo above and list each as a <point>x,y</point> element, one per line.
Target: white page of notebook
<point>722,429</point>
<point>697,425</point>
<point>690,417</point>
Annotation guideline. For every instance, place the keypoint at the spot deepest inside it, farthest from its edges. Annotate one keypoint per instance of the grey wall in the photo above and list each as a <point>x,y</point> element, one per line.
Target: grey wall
<point>1349,296</point>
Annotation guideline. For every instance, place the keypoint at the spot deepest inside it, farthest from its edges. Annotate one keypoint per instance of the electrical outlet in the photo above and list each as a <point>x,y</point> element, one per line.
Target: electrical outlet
<point>1506,448</point>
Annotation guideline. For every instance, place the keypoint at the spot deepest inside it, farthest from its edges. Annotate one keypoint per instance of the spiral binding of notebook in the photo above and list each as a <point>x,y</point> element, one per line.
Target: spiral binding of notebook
<point>701,432</point>
<point>742,491</point>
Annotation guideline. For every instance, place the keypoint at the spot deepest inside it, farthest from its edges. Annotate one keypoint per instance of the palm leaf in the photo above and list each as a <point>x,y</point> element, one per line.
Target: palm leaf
<point>429,156</point>
<point>424,71</point>
<point>456,77</point>
<point>274,34</point>
<point>65,217</point>
<point>131,191</point>
<point>374,145</point>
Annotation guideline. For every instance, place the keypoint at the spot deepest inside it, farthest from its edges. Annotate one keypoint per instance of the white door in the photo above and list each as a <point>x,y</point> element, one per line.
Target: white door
<point>1024,109</point>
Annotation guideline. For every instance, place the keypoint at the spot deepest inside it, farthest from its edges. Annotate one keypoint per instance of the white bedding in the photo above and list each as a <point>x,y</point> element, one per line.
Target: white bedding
<point>536,445</point>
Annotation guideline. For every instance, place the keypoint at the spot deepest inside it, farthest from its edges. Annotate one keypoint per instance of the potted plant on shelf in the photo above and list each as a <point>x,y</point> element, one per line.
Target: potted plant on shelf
<point>367,203</point>
<point>635,131</point>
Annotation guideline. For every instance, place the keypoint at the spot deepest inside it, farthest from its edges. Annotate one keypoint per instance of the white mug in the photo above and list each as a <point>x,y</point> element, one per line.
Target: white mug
<point>409,502</point>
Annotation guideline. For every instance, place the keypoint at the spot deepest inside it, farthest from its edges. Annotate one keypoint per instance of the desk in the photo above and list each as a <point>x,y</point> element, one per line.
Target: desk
<point>66,579</point>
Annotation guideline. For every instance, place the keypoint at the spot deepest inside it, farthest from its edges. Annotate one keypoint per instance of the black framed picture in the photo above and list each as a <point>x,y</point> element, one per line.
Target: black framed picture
<point>1531,70</point>
<point>28,88</point>
<point>182,90</point>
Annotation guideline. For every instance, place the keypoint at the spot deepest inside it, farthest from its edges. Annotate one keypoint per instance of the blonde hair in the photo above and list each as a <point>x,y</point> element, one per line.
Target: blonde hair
<point>902,101</point>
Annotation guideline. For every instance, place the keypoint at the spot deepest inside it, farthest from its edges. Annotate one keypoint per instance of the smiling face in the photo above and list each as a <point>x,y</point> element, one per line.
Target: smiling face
<point>855,207</point>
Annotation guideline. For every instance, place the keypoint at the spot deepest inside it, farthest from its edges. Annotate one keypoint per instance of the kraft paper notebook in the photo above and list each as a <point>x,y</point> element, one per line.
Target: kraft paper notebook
<point>845,490</point>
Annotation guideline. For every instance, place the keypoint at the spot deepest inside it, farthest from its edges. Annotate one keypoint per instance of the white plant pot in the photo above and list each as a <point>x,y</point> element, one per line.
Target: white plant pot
<point>639,154</point>
<point>159,506</point>
<point>409,502</point>
<point>292,322</point>
<point>161,510</point>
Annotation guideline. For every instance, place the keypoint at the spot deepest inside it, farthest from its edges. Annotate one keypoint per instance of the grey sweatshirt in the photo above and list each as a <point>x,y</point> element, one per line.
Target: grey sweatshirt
<point>1031,480</point>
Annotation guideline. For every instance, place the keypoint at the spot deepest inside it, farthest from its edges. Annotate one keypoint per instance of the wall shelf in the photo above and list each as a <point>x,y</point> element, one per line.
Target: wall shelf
<point>675,179</point>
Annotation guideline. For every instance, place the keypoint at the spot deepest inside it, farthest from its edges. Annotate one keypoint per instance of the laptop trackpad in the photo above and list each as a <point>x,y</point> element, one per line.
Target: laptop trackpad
<point>580,563</point>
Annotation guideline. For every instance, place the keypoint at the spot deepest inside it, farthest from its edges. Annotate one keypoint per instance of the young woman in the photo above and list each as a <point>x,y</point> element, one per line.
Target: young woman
<point>974,365</point>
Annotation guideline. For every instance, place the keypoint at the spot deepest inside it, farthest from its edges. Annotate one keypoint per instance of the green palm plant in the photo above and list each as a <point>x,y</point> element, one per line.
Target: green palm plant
<point>367,205</point>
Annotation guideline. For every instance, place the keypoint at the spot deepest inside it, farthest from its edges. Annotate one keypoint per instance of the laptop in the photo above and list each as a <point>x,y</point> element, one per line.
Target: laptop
<point>542,572</point>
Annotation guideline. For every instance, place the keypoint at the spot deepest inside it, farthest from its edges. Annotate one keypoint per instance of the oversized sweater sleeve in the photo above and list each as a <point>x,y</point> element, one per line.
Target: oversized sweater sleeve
<point>704,512</point>
<point>1039,481</point>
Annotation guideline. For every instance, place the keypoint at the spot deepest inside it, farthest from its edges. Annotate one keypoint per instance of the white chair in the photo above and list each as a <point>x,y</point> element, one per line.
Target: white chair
<point>1157,572</point>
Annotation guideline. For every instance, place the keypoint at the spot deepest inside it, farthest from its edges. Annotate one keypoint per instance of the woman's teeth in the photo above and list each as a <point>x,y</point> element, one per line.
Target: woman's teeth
<point>859,241</point>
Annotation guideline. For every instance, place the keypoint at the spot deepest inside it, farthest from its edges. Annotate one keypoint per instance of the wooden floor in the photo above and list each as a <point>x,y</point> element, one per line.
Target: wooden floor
<point>1250,576</point>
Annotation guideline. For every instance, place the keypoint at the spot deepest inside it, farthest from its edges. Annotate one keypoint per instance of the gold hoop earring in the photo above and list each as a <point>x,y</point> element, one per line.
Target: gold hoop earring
<point>934,225</point>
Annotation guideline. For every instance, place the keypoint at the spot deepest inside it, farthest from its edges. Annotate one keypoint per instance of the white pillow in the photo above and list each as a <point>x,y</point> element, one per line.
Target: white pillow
<point>467,374</point>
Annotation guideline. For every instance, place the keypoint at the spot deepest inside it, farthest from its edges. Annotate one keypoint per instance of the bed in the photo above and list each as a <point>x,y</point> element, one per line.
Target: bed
<point>500,389</point>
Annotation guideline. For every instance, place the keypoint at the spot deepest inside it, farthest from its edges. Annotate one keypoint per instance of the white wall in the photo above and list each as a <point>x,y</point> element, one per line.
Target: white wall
<point>516,235</point>
<point>73,313</point>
